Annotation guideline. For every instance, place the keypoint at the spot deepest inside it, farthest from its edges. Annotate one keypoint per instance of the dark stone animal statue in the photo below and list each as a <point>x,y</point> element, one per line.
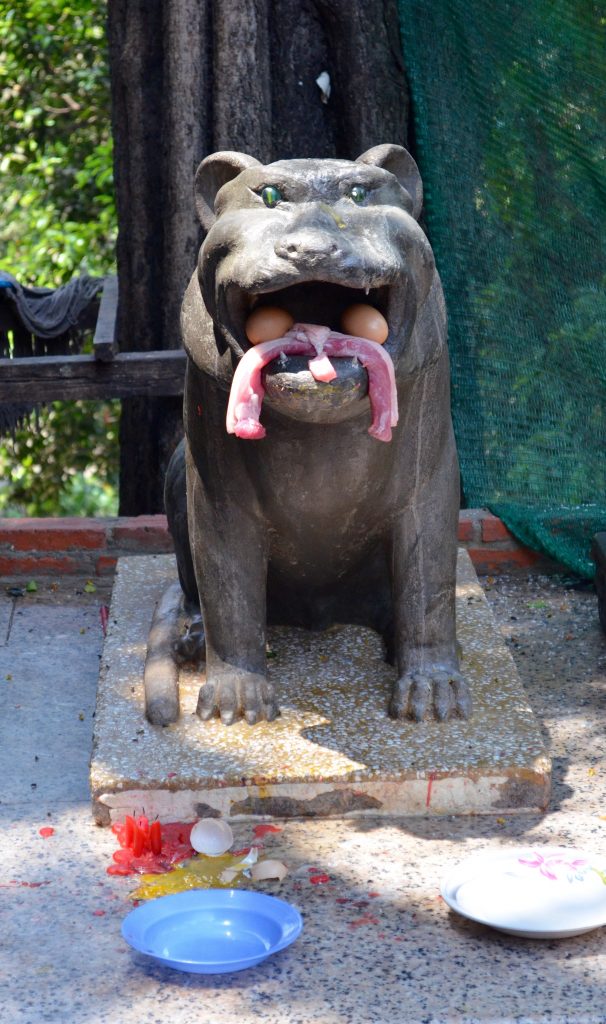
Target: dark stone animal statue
<point>319,522</point>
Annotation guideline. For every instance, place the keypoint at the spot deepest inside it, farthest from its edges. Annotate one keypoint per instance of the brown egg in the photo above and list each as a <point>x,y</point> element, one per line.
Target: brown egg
<point>267,323</point>
<point>364,321</point>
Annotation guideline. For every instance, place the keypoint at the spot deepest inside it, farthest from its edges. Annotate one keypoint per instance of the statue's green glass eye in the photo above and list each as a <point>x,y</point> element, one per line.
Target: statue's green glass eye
<point>358,193</point>
<point>271,196</point>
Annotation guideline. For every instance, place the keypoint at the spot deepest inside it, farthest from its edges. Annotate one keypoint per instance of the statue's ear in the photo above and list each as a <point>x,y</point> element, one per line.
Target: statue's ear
<point>399,162</point>
<point>214,172</point>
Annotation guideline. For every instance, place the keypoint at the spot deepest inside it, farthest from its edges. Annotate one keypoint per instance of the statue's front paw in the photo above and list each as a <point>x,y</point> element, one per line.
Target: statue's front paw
<point>435,692</point>
<point>240,694</point>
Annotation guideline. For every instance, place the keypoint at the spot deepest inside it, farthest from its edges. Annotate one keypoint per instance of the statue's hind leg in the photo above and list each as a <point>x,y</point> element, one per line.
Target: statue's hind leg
<point>175,504</point>
<point>176,634</point>
<point>188,642</point>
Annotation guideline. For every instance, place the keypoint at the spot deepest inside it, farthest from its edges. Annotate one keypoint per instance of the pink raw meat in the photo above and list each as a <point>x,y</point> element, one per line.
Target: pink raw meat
<point>322,369</point>
<point>320,366</point>
<point>246,396</point>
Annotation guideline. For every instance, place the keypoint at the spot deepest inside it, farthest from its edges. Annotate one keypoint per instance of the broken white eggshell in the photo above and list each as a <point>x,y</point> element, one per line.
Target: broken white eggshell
<point>211,836</point>
<point>266,869</point>
<point>229,875</point>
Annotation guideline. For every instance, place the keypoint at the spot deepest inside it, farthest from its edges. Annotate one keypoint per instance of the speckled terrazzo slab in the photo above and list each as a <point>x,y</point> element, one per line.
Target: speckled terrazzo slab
<point>333,751</point>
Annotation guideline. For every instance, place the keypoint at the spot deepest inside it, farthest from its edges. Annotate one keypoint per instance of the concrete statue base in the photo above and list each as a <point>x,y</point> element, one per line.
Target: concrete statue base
<point>333,752</point>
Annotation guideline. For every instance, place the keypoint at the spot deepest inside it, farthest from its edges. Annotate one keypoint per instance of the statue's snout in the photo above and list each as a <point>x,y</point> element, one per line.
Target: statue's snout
<point>306,245</point>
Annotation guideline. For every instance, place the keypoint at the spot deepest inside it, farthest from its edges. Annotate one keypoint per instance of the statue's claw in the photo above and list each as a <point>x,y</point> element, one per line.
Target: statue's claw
<point>433,692</point>
<point>242,694</point>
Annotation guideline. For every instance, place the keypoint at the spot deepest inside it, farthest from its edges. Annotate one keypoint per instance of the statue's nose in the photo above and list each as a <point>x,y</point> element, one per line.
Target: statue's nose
<point>306,245</point>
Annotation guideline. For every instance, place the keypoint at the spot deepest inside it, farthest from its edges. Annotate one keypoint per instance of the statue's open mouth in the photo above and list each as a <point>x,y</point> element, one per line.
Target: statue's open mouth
<point>319,344</point>
<point>312,302</point>
<point>286,370</point>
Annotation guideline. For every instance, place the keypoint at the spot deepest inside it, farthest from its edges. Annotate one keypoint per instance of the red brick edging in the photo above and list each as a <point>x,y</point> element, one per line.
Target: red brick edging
<point>91,547</point>
<point>77,546</point>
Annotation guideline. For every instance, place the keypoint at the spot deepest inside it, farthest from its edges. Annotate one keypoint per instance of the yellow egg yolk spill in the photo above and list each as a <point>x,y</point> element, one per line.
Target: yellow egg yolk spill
<point>201,872</point>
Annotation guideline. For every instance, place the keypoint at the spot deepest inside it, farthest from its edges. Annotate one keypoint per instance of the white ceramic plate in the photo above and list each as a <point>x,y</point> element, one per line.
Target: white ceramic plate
<point>540,892</point>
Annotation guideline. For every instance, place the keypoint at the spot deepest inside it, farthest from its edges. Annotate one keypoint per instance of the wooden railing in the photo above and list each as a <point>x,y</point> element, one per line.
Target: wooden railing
<point>106,373</point>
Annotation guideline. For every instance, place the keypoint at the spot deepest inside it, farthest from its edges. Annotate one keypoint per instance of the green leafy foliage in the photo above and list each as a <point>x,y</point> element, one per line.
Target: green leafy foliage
<point>63,464</point>
<point>55,141</point>
<point>56,193</point>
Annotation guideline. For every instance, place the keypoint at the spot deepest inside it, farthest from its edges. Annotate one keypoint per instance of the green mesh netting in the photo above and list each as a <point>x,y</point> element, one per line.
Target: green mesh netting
<point>509,114</point>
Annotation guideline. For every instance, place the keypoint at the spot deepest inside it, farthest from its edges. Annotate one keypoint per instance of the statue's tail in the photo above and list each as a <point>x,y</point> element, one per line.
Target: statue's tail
<point>161,673</point>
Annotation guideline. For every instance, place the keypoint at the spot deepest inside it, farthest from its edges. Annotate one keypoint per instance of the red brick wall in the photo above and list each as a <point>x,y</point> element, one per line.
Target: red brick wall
<point>90,547</point>
<point>492,548</point>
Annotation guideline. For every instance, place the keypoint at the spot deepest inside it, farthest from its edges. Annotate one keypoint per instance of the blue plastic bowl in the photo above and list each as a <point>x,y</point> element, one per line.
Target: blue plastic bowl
<point>212,931</point>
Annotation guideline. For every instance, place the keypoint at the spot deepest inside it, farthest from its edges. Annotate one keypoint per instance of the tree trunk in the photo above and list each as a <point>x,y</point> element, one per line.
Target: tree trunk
<point>193,76</point>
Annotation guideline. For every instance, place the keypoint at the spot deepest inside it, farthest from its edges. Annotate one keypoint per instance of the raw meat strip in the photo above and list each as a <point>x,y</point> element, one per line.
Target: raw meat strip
<point>247,392</point>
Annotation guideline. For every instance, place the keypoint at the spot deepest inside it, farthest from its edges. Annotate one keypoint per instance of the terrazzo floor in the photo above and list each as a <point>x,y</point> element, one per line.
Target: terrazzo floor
<point>379,945</point>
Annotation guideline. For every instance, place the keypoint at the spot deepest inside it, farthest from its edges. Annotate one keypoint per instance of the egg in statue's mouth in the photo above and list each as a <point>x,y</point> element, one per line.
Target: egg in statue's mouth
<point>361,320</point>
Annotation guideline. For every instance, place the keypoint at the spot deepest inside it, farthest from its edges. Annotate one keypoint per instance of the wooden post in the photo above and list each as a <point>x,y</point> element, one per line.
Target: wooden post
<point>193,76</point>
